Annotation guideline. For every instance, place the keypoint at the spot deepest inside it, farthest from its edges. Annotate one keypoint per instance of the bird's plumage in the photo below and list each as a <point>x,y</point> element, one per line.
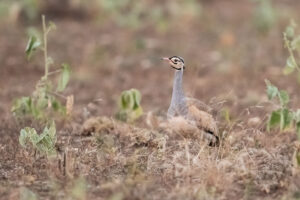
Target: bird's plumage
<point>205,122</point>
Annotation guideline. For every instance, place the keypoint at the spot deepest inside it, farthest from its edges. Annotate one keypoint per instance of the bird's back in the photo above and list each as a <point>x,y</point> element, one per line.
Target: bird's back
<point>205,121</point>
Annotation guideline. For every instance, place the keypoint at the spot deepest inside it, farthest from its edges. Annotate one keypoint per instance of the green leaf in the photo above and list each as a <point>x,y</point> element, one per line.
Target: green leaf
<point>22,106</point>
<point>272,91</point>
<point>283,98</point>
<point>288,70</point>
<point>58,107</point>
<point>274,119</point>
<point>125,100</point>
<point>23,138</point>
<point>45,142</point>
<point>137,97</point>
<point>290,65</point>
<point>42,102</point>
<point>52,131</point>
<point>286,118</point>
<point>33,136</point>
<point>130,105</point>
<point>32,45</point>
<point>27,134</point>
<point>64,77</point>
<point>131,100</point>
<point>290,29</point>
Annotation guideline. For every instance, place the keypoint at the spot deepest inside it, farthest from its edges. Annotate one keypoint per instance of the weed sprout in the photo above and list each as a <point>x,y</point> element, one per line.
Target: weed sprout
<point>130,107</point>
<point>43,99</point>
<point>283,117</point>
<point>44,142</point>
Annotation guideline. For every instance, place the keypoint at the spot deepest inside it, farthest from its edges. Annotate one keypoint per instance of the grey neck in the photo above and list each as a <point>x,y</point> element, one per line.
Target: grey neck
<point>177,94</point>
<point>178,104</point>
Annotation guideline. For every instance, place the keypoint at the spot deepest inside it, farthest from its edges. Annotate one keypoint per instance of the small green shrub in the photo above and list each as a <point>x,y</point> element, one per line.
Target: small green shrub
<point>43,100</point>
<point>130,105</point>
<point>44,142</point>
<point>283,117</point>
<point>264,15</point>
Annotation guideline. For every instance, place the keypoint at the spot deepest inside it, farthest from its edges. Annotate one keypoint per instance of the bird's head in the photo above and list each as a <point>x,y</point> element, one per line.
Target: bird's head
<point>176,62</point>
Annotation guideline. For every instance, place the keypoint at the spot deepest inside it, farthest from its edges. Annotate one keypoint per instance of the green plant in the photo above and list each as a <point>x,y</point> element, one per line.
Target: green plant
<point>264,15</point>
<point>292,43</point>
<point>283,117</point>
<point>130,107</point>
<point>44,142</point>
<point>43,100</point>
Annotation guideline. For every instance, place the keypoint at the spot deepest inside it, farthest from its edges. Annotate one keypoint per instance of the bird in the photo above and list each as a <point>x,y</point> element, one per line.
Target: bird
<point>182,106</point>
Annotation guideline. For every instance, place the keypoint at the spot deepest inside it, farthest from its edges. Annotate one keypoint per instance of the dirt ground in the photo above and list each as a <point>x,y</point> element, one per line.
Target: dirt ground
<point>227,60</point>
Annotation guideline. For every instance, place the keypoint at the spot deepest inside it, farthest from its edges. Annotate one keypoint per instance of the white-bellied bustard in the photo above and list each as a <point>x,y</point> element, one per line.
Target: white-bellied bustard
<point>180,105</point>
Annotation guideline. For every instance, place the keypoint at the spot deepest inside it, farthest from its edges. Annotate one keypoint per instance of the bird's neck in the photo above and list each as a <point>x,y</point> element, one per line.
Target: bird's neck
<point>177,94</point>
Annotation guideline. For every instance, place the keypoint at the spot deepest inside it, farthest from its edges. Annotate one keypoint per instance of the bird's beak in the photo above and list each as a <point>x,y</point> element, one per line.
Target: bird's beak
<point>167,59</point>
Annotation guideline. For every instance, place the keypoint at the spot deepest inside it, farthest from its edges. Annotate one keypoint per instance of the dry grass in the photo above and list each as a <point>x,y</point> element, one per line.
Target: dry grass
<point>124,161</point>
<point>136,160</point>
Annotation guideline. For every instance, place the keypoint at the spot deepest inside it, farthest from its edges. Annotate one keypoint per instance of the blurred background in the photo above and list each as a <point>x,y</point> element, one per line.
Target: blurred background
<point>229,48</point>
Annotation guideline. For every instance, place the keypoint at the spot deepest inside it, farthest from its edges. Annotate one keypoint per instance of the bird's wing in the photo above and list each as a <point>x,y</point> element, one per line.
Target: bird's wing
<point>204,120</point>
<point>199,104</point>
<point>188,128</point>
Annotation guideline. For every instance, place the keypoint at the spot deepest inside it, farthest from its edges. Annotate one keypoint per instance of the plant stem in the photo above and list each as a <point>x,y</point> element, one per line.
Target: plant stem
<point>57,94</point>
<point>291,53</point>
<point>54,72</point>
<point>45,32</point>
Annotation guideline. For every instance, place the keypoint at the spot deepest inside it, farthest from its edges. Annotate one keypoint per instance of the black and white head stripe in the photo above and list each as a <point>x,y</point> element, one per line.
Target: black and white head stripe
<point>173,59</point>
